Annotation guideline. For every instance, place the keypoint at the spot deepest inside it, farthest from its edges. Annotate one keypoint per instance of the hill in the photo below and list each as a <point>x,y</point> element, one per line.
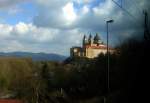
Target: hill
<point>35,56</point>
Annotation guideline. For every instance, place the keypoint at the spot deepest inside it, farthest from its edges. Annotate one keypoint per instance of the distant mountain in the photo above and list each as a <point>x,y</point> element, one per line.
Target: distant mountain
<point>35,56</point>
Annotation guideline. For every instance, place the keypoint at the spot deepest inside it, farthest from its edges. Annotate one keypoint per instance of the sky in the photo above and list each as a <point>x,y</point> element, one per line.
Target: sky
<point>54,26</point>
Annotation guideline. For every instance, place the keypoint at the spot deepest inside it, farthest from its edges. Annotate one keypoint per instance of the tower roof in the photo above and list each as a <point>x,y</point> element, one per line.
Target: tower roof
<point>97,38</point>
<point>84,36</point>
<point>90,36</point>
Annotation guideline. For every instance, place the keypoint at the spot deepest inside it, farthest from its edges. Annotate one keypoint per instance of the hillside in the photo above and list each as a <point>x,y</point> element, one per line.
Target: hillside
<point>35,56</point>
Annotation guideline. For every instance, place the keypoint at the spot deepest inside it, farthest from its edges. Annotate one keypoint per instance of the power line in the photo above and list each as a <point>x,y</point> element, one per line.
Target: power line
<point>146,30</point>
<point>135,4</point>
<point>136,8</point>
<point>121,3</point>
<point>126,11</point>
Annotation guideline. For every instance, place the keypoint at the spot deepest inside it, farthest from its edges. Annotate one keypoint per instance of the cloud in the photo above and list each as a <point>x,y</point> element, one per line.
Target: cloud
<point>83,1</point>
<point>28,37</point>
<point>85,10</point>
<point>60,24</point>
<point>11,9</point>
<point>104,8</point>
<point>69,12</point>
<point>14,10</point>
<point>95,19</point>
<point>10,3</point>
<point>61,15</point>
<point>87,17</point>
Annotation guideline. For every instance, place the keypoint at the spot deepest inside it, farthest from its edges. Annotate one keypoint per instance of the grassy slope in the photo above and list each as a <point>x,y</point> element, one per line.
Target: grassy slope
<point>13,70</point>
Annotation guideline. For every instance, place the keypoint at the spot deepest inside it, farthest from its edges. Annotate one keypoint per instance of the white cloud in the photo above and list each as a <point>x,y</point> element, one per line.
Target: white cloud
<point>104,8</point>
<point>85,9</point>
<point>12,45</point>
<point>33,33</point>
<point>83,1</point>
<point>61,14</point>
<point>5,30</point>
<point>69,12</point>
<point>28,37</point>
<point>21,28</point>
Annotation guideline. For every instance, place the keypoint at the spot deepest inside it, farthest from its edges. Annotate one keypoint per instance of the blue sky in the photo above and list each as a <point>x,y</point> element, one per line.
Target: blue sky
<point>53,26</point>
<point>21,12</point>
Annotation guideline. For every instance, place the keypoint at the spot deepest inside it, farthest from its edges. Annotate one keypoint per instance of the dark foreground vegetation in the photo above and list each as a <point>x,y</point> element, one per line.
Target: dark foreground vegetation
<point>79,80</point>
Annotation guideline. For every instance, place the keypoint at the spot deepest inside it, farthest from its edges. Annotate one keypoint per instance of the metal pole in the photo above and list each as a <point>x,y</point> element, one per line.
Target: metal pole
<point>107,59</point>
<point>108,76</point>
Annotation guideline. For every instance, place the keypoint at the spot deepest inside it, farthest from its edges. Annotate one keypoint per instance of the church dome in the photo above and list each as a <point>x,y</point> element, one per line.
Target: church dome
<point>97,39</point>
<point>90,40</point>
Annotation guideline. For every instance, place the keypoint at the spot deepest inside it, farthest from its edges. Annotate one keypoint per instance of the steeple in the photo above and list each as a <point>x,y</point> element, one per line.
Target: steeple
<point>85,41</point>
<point>97,39</point>
<point>90,40</point>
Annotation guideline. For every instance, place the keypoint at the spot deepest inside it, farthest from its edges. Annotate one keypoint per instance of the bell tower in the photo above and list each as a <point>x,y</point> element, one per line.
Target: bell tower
<point>90,40</point>
<point>84,41</point>
<point>97,39</point>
